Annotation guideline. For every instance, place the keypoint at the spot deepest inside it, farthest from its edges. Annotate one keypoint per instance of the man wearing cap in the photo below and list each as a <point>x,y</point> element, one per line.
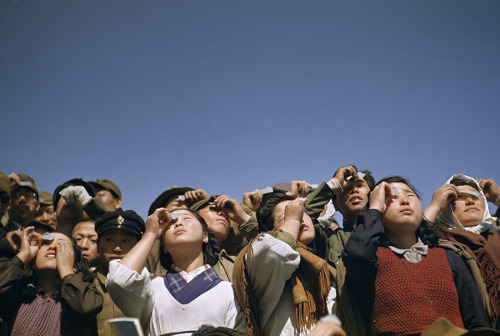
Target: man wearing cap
<point>109,193</point>
<point>74,201</point>
<point>46,213</point>
<point>23,205</point>
<point>118,231</point>
<point>173,198</point>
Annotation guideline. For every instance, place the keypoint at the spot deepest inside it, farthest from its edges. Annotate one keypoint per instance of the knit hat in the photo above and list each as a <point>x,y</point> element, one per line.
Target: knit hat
<point>161,200</point>
<point>123,220</point>
<point>106,185</point>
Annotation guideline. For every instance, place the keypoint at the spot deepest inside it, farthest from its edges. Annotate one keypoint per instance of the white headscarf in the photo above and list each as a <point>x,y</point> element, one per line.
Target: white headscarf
<point>448,218</point>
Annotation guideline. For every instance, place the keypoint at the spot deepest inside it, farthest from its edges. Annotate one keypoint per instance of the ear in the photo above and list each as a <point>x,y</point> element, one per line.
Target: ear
<point>118,202</point>
<point>205,237</point>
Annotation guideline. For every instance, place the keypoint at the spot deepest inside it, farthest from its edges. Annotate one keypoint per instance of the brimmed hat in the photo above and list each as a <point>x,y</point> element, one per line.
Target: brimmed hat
<point>164,196</point>
<point>73,182</point>
<point>106,185</point>
<point>4,183</point>
<point>45,198</point>
<point>203,203</point>
<point>123,220</point>
<point>42,226</point>
<point>26,182</point>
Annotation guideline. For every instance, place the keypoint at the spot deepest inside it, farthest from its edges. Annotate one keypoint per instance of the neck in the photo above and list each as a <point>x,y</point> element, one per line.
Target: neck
<point>49,280</point>
<point>402,240</point>
<point>188,261</point>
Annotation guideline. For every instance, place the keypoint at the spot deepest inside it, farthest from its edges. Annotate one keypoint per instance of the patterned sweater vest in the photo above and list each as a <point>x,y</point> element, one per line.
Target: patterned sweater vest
<point>409,297</point>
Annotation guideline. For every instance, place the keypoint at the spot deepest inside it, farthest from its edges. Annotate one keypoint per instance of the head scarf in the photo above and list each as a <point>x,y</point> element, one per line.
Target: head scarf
<point>448,218</point>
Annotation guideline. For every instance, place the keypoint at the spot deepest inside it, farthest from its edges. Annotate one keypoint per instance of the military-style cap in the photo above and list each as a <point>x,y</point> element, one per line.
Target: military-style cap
<point>4,183</point>
<point>26,182</point>
<point>106,185</point>
<point>45,198</point>
<point>281,187</point>
<point>161,200</point>
<point>73,182</point>
<point>203,203</point>
<point>123,220</point>
<point>41,226</point>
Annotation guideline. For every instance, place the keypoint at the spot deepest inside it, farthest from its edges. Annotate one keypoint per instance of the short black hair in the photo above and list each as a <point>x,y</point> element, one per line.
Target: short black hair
<point>264,213</point>
<point>461,180</point>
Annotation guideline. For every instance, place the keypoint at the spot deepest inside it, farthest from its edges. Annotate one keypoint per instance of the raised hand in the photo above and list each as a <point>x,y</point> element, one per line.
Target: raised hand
<point>65,257</point>
<point>490,189</point>
<point>30,244</point>
<point>158,221</point>
<point>346,176</point>
<point>233,209</point>
<point>253,199</point>
<point>194,196</point>
<point>380,196</point>
<point>299,189</point>
<point>440,199</point>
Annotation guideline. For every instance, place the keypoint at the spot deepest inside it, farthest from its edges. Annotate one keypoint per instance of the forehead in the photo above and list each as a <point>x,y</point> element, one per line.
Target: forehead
<point>60,236</point>
<point>401,186</point>
<point>280,207</point>
<point>84,226</point>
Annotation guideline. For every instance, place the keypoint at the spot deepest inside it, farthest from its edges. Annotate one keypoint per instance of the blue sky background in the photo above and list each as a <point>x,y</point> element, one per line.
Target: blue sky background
<point>230,96</point>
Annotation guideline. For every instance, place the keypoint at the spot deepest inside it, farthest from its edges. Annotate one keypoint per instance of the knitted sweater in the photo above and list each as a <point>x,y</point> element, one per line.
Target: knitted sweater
<point>410,296</point>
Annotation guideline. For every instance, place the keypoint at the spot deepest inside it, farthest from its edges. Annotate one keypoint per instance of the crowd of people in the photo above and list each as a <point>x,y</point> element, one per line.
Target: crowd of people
<point>275,264</point>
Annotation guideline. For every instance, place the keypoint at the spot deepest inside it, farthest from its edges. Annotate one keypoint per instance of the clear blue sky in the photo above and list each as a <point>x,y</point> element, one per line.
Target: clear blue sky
<point>230,96</point>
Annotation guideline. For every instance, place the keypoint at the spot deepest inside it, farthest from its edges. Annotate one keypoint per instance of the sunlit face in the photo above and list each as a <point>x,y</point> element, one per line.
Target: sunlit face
<point>352,201</point>
<point>23,205</point>
<point>217,222</point>
<point>46,215</point>
<point>403,213</point>
<point>114,244</point>
<point>108,199</point>
<point>468,208</point>
<point>184,231</point>
<point>306,230</point>
<point>46,257</point>
<point>86,238</point>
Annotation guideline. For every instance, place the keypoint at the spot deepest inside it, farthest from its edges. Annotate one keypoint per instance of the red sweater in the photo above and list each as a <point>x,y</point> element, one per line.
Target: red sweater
<point>409,297</point>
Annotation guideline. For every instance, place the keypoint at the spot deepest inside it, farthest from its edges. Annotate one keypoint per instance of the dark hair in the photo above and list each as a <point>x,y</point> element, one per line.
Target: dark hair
<point>264,213</point>
<point>463,181</point>
<point>4,197</point>
<point>210,250</point>
<point>30,286</point>
<point>368,178</point>
<point>425,231</point>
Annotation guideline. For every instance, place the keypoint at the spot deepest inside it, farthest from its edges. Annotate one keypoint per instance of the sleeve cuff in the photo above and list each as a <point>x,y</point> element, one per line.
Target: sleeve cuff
<point>335,186</point>
<point>287,238</point>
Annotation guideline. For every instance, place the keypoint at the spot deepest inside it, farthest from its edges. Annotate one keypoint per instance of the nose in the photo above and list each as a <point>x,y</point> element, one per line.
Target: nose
<point>85,244</point>
<point>469,200</point>
<point>404,200</point>
<point>222,213</point>
<point>117,248</point>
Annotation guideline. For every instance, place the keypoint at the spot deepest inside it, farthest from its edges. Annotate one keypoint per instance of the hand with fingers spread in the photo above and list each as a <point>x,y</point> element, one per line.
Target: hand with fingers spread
<point>194,196</point>
<point>490,189</point>
<point>253,199</point>
<point>65,257</point>
<point>233,209</point>
<point>440,199</point>
<point>346,176</point>
<point>30,244</point>
<point>299,189</point>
